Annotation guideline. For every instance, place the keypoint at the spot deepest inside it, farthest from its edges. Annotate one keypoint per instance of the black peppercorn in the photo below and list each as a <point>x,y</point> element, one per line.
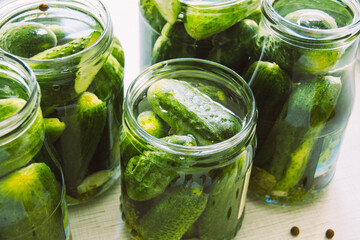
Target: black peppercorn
<point>43,7</point>
<point>294,231</point>
<point>330,233</point>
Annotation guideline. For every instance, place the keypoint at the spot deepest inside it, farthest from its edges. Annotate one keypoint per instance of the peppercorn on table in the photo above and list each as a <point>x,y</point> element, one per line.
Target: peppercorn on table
<point>336,208</point>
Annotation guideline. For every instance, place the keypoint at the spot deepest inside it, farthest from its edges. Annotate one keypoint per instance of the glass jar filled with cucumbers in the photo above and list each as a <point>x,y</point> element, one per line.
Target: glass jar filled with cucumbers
<point>32,190</point>
<point>187,145</point>
<point>304,89</point>
<point>79,65</point>
<point>223,31</point>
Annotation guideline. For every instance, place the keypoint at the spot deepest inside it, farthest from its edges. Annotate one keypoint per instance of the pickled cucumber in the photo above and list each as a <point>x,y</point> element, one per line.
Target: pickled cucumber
<point>26,39</point>
<point>188,111</point>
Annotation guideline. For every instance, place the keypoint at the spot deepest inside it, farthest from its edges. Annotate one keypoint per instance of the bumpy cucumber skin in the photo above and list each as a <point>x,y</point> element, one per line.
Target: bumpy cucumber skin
<point>170,44</point>
<point>152,14</point>
<point>271,87</point>
<point>288,148</point>
<point>53,128</point>
<point>25,39</point>
<point>215,93</point>
<point>84,126</point>
<point>236,47</point>
<point>67,49</point>
<point>188,111</point>
<point>169,9</point>
<point>221,216</point>
<point>173,215</point>
<point>28,198</point>
<point>144,179</point>
<point>202,22</point>
<point>151,123</point>
<point>147,175</point>
<point>24,148</point>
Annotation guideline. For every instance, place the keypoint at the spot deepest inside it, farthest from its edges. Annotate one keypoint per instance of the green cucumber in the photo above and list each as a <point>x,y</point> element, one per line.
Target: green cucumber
<point>236,47</point>
<point>215,93</point>
<point>84,127</point>
<point>53,128</point>
<point>188,111</point>
<point>26,39</point>
<point>271,87</point>
<point>202,22</point>
<point>147,175</point>
<point>151,123</point>
<point>69,48</point>
<point>28,199</point>
<point>169,9</point>
<point>174,214</point>
<point>24,147</point>
<point>118,52</point>
<point>288,148</point>
<point>224,203</point>
<point>151,13</point>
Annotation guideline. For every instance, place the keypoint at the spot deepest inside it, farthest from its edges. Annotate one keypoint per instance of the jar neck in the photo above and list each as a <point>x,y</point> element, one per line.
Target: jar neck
<point>92,12</point>
<point>292,32</point>
<point>15,71</point>
<point>183,68</point>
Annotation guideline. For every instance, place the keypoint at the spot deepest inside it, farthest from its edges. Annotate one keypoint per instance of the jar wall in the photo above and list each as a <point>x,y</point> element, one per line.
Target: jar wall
<point>304,88</point>
<point>81,80</point>
<point>173,176</point>
<point>32,190</point>
<point>223,31</point>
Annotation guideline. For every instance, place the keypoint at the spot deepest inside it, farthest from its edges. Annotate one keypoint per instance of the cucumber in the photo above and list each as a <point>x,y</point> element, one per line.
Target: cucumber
<point>151,13</point>
<point>118,52</point>
<point>287,150</point>
<point>174,214</point>
<point>174,42</point>
<point>187,140</point>
<point>223,211</point>
<point>24,147</point>
<point>69,48</point>
<point>151,123</point>
<point>188,111</point>
<point>236,47</point>
<point>84,127</point>
<point>109,79</point>
<point>147,175</point>
<point>10,106</point>
<point>26,39</point>
<point>169,9</point>
<point>215,93</point>
<point>28,199</point>
<point>202,22</point>
<point>53,128</point>
<point>271,87</point>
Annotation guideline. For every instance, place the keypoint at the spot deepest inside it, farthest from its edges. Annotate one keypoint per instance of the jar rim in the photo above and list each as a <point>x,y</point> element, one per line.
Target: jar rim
<point>11,12</point>
<point>250,117</point>
<point>211,3</point>
<point>294,30</point>
<point>20,68</point>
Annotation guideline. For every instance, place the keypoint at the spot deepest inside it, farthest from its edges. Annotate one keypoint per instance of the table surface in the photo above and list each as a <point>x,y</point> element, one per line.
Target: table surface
<point>338,207</point>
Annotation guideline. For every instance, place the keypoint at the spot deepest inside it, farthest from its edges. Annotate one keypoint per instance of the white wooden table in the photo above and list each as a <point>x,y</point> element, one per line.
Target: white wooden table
<point>337,208</point>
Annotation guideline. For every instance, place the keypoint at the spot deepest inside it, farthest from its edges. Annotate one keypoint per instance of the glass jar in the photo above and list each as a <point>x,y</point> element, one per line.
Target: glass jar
<point>79,65</point>
<point>32,190</point>
<point>187,146</point>
<point>304,89</point>
<point>223,31</point>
